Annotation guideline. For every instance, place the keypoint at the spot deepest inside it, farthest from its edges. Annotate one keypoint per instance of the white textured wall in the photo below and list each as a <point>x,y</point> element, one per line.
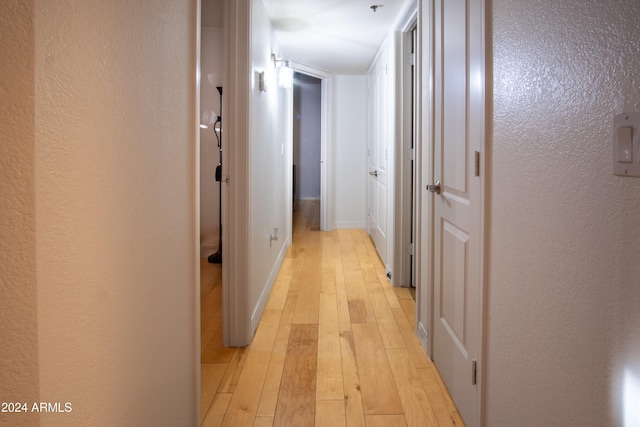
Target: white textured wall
<point>350,151</point>
<point>211,61</point>
<point>270,133</point>
<point>564,287</point>
<point>116,230</point>
<point>18,305</point>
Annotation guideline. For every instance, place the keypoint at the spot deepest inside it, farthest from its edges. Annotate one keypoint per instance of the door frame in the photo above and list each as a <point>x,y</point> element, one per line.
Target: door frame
<point>327,220</point>
<point>424,130</point>
<point>236,316</point>
<point>403,134</point>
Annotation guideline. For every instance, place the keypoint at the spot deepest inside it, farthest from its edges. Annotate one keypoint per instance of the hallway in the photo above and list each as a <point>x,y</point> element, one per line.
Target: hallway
<point>335,346</point>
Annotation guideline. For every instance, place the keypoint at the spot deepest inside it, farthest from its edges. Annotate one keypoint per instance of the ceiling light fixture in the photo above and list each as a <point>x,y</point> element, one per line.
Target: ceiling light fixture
<point>375,7</point>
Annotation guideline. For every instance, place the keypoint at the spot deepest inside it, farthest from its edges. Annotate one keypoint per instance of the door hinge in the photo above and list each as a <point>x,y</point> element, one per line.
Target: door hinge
<point>410,249</point>
<point>411,153</point>
<point>477,163</point>
<point>412,59</point>
<point>474,372</point>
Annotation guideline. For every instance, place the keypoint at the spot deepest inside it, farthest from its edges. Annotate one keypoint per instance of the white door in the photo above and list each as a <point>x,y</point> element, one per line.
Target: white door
<point>458,135</point>
<point>377,150</point>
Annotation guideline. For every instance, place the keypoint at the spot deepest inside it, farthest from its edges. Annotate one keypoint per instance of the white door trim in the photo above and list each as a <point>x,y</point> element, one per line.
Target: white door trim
<point>327,220</point>
<point>236,316</point>
<point>407,17</point>
<point>400,260</point>
<point>424,130</point>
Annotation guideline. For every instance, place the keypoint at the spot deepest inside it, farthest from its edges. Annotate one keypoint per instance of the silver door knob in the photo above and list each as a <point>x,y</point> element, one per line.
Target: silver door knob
<point>374,173</point>
<point>434,188</point>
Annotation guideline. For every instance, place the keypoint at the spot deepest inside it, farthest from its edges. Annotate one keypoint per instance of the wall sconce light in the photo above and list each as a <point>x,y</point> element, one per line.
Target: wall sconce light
<point>285,77</point>
<point>277,62</point>
<point>285,73</point>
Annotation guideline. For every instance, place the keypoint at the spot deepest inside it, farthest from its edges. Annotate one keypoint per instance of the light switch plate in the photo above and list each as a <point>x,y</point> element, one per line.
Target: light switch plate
<point>626,144</point>
<point>262,81</point>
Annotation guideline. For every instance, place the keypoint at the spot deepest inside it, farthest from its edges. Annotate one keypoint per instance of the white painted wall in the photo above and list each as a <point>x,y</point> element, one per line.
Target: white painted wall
<point>306,136</point>
<point>564,277</point>
<point>269,151</point>
<point>350,149</point>
<point>211,61</point>
<point>116,223</point>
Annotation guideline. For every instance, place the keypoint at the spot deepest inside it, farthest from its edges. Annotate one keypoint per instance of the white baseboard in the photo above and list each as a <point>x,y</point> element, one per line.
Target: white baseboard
<point>256,314</point>
<point>349,224</point>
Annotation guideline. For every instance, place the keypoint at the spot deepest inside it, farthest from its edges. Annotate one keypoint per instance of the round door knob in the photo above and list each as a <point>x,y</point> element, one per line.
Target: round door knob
<point>434,188</point>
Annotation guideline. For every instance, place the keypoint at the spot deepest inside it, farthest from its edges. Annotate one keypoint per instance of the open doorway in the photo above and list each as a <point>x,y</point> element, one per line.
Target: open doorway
<point>314,79</point>
<point>407,149</point>
<point>408,180</point>
<point>307,141</point>
<point>211,71</point>
<point>211,93</point>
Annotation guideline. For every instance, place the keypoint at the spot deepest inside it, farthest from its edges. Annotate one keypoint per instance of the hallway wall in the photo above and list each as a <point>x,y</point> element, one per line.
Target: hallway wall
<point>18,285</point>
<point>563,297</point>
<point>116,229</point>
<point>269,150</point>
<point>350,115</point>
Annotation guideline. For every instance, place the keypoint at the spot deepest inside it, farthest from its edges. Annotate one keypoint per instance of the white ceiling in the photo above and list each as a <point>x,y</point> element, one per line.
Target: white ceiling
<point>337,36</point>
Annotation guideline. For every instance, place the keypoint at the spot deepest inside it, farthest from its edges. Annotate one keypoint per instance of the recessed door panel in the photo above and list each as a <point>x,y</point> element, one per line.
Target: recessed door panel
<point>454,96</point>
<point>453,286</point>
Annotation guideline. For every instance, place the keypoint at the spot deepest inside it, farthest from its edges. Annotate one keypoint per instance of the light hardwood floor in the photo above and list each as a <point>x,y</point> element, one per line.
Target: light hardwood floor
<point>335,346</point>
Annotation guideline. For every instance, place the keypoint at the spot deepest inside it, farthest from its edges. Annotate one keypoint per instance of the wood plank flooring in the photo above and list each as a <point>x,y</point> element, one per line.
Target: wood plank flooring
<point>335,347</point>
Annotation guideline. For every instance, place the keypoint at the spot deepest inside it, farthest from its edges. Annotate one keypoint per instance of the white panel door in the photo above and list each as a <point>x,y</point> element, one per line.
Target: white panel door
<point>377,188</point>
<point>458,135</point>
